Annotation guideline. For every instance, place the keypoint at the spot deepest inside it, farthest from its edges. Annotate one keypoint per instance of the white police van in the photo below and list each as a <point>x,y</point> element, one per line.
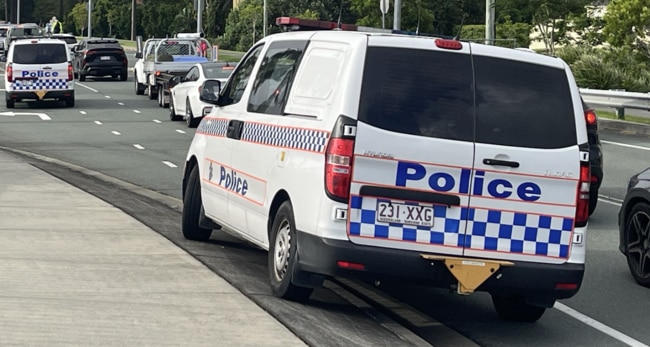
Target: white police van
<point>38,69</point>
<point>371,155</point>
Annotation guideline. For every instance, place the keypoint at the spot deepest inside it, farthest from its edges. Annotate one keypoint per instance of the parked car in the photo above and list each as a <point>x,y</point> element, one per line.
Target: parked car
<point>634,227</point>
<point>100,57</point>
<point>184,102</point>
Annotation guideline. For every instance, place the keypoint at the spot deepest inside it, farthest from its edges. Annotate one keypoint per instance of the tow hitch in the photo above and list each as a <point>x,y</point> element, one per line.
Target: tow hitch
<point>469,272</point>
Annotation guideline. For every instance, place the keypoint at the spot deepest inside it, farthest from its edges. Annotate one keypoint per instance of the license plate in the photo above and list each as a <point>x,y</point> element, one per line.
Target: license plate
<point>392,212</point>
<point>26,83</point>
<point>105,58</point>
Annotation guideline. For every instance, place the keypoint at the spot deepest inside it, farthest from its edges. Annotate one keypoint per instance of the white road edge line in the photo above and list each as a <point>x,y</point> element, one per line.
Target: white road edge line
<point>180,131</point>
<point>599,326</point>
<point>85,86</point>
<point>116,133</point>
<point>138,146</point>
<point>98,122</point>
<point>625,145</point>
<point>170,164</point>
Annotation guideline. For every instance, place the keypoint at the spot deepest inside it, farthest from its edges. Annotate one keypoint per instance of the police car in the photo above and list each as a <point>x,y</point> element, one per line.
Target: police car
<point>38,69</point>
<point>339,155</point>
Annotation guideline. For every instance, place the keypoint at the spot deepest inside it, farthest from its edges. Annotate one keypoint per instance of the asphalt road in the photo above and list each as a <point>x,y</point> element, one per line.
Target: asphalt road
<point>128,137</point>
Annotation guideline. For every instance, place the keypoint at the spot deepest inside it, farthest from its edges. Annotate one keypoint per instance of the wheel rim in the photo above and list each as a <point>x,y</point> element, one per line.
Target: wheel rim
<point>282,250</point>
<point>188,113</point>
<point>638,244</point>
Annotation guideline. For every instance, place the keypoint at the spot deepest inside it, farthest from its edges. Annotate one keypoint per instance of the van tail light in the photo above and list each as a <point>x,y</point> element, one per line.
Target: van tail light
<point>591,118</point>
<point>449,44</point>
<point>10,73</point>
<point>339,157</point>
<point>582,198</point>
<point>70,73</point>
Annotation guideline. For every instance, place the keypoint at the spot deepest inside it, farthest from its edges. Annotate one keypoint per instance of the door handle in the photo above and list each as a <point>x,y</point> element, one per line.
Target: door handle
<point>234,129</point>
<point>498,162</point>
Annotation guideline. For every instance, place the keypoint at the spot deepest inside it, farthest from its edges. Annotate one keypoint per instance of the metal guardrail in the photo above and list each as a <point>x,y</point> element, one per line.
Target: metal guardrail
<point>619,100</point>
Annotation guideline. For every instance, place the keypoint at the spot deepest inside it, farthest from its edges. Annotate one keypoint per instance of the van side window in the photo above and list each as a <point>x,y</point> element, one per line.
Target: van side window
<point>234,89</point>
<point>523,104</point>
<point>275,76</point>
<point>433,97</point>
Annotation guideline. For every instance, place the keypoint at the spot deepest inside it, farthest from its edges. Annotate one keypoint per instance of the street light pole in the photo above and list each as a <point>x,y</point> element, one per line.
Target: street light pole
<point>489,22</point>
<point>397,19</point>
<point>18,12</point>
<point>90,12</point>
<point>133,20</point>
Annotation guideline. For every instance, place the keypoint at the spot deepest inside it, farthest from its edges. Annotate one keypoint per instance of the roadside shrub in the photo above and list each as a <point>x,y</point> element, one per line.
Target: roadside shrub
<point>591,71</point>
<point>571,54</point>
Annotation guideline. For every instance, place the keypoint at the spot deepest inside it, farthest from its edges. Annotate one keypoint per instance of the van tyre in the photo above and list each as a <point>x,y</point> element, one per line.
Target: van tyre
<point>192,209</point>
<point>139,87</point>
<point>282,256</point>
<point>172,112</point>
<point>69,102</point>
<point>637,243</point>
<point>593,201</point>
<point>514,308</point>
<point>11,103</point>
<point>189,116</point>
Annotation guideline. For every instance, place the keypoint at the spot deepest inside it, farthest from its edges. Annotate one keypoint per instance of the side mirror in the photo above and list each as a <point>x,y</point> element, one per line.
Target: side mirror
<point>138,55</point>
<point>210,91</point>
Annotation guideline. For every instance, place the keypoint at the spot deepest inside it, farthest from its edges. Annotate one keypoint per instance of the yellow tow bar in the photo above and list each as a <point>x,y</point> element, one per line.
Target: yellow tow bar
<point>469,272</point>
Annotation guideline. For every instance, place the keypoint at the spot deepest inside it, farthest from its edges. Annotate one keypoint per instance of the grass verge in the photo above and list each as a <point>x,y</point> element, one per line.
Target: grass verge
<point>628,118</point>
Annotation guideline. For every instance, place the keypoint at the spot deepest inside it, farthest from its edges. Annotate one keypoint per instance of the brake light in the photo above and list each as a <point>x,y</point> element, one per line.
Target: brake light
<point>10,73</point>
<point>157,73</point>
<point>582,200</point>
<point>448,44</point>
<point>590,117</point>
<point>338,167</point>
<point>349,265</point>
<point>70,73</point>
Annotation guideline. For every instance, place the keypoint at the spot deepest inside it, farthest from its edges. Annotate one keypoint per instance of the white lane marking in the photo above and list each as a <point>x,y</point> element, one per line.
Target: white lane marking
<point>120,103</point>
<point>138,146</point>
<point>43,116</point>
<point>180,131</point>
<point>610,202</point>
<point>599,326</point>
<point>625,145</point>
<point>2,90</point>
<point>170,164</point>
<point>85,86</point>
<point>136,111</point>
<point>107,96</point>
<point>157,121</point>
<point>98,122</point>
<point>116,133</point>
<point>83,112</point>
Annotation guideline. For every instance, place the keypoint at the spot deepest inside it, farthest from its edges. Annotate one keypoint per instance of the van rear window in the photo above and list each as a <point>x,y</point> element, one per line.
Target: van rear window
<point>523,104</point>
<point>418,92</point>
<point>41,53</point>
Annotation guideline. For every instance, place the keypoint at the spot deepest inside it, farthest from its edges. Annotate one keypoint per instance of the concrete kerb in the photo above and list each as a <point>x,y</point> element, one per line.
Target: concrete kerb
<point>624,127</point>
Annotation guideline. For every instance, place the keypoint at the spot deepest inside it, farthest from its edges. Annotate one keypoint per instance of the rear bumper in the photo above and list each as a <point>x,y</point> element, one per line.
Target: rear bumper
<point>31,95</point>
<point>320,256</point>
<point>103,70</point>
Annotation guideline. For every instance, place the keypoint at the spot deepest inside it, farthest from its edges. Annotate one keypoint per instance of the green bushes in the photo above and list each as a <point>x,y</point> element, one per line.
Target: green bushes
<point>608,68</point>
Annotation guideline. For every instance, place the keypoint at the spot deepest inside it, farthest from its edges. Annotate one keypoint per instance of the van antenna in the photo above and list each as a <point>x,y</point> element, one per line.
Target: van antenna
<point>338,23</point>
<point>460,28</point>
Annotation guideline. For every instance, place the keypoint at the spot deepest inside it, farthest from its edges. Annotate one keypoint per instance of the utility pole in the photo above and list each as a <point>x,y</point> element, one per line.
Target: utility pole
<point>18,12</point>
<point>265,23</point>
<point>133,20</point>
<point>90,13</point>
<point>489,22</point>
<point>397,25</point>
<point>199,16</point>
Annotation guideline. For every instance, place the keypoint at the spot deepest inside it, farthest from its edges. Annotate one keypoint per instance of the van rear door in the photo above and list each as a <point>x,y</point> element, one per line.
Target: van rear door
<point>414,147</point>
<point>527,164</point>
<point>40,66</point>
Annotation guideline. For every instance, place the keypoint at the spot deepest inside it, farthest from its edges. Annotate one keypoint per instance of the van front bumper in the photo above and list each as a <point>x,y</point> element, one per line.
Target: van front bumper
<point>321,256</point>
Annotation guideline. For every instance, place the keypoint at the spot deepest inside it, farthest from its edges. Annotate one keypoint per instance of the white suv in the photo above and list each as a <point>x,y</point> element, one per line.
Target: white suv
<point>38,69</point>
<point>368,155</point>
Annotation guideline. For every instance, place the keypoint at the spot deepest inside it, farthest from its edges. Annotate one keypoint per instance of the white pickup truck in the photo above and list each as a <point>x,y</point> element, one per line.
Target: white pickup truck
<point>162,59</point>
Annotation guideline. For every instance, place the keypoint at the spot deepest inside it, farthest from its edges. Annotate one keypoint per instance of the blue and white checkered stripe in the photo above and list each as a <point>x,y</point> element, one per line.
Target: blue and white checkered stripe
<point>446,224</point>
<point>41,84</point>
<point>286,137</point>
<point>488,230</point>
<point>213,126</point>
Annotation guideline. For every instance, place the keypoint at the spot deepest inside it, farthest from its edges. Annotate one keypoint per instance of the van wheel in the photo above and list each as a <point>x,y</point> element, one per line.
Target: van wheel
<point>139,87</point>
<point>192,209</point>
<point>189,116</point>
<point>282,256</point>
<point>69,102</point>
<point>11,103</point>
<point>514,308</point>
<point>637,243</point>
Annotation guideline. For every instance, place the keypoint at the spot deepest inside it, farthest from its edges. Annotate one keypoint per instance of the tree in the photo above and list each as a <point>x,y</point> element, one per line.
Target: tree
<point>552,16</point>
<point>626,23</point>
<point>215,14</point>
<point>157,16</point>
